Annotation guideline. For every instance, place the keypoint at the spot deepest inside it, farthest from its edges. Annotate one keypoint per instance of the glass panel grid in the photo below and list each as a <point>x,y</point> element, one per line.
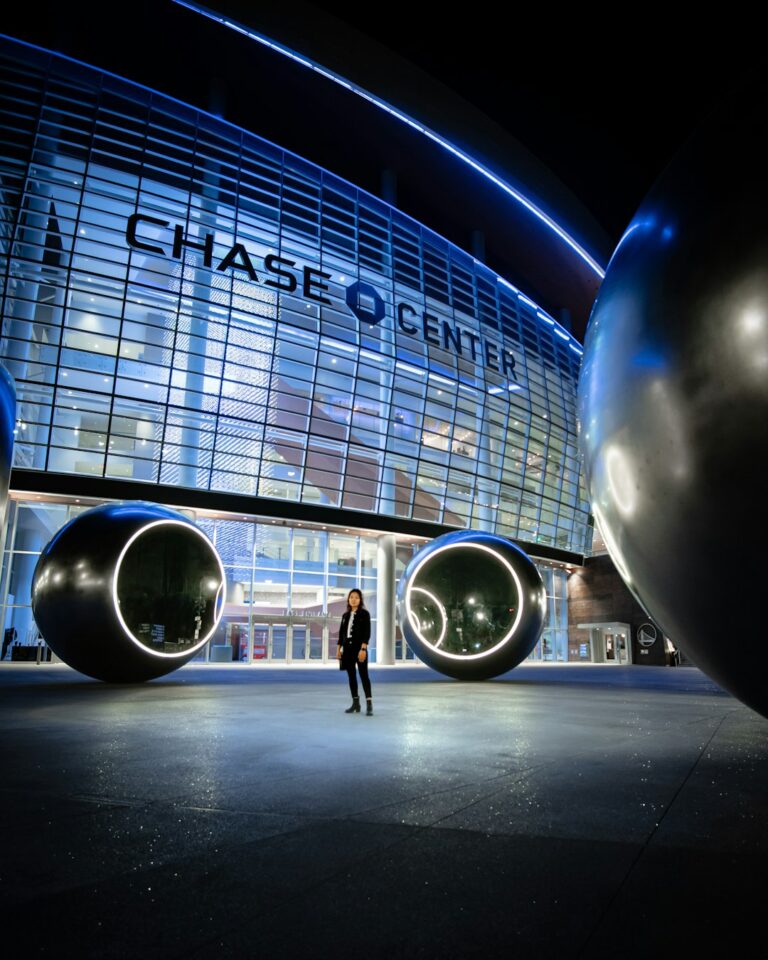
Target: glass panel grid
<point>203,377</point>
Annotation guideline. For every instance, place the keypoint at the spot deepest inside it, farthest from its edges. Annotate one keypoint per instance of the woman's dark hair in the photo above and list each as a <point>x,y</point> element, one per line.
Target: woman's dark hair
<point>360,594</point>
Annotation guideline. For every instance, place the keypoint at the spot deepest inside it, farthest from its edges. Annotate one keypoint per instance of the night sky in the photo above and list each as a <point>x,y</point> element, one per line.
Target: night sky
<point>604,101</point>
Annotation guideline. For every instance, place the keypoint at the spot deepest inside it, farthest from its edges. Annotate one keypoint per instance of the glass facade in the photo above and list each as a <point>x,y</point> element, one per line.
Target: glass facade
<point>286,586</point>
<point>187,304</point>
<point>553,645</point>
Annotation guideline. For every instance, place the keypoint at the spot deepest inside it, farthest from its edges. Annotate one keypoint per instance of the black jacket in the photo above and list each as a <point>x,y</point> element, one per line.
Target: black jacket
<point>361,633</point>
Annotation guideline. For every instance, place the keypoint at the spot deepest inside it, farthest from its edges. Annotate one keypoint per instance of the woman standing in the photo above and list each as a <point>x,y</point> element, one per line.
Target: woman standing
<point>352,651</point>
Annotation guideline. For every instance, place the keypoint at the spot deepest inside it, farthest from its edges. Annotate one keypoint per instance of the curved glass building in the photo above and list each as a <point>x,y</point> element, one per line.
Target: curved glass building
<point>194,315</point>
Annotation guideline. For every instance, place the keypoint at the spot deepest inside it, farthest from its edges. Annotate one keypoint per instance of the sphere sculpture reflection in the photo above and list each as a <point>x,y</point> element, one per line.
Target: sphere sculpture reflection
<point>128,592</point>
<point>674,401</point>
<point>471,605</point>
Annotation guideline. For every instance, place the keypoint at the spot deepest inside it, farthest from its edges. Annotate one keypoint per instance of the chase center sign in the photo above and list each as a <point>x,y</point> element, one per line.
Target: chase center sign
<point>310,283</point>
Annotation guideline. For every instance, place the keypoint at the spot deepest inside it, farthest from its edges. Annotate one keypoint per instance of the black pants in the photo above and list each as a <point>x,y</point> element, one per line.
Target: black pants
<point>363,668</point>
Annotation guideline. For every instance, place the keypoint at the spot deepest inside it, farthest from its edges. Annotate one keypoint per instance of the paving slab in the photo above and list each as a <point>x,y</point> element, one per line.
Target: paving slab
<point>226,812</point>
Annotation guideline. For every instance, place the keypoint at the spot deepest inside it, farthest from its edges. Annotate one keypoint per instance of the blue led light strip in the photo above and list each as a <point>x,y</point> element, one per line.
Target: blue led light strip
<point>572,342</point>
<point>383,105</point>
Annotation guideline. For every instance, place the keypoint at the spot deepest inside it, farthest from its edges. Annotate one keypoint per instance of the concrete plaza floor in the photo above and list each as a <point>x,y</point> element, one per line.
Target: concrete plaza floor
<point>561,811</point>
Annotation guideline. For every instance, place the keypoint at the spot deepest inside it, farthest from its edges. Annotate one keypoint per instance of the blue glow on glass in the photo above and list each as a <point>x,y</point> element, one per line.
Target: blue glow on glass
<point>410,369</point>
<point>297,334</point>
<point>238,439</point>
<point>254,322</point>
<point>265,324</point>
<point>373,356</point>
<point>506,283</point>
<point>441,141</point>
<point>335,345</point>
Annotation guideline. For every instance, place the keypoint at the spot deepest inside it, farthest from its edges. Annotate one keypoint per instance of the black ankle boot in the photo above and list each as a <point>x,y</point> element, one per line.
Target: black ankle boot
<point>369,707</point>
<point>355,708</point>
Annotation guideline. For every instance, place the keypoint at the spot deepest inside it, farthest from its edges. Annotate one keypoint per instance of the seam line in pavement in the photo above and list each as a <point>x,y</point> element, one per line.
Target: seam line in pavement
<point>519,774</point>
<point>413,831</point>
<point>646,843</point>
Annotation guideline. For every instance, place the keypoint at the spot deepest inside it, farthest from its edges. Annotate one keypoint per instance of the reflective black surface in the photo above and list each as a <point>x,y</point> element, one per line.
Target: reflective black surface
<point>471,605</point>
<point>674,401</point>
<point>168,586</point>
<point>117,591</point>
<point>7,426</point>
<point>464,601</point>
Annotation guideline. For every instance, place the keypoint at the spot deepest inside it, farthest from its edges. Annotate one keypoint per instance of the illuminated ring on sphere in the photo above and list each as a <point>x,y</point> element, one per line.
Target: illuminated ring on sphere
<point>512,604</point>
<point>475,546</point>
<point>218,602</point>
<point>98,588</point>
<point>416,623</point>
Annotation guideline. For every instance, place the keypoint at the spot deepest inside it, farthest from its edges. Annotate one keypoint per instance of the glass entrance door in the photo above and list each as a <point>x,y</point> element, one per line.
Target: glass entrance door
<point>237,636</point>
<point>260,641</point>
<point>287,641</point>
<point>318,643</point>
<point>278,647</point>
<point>609,644</point>
<point>299,638</point>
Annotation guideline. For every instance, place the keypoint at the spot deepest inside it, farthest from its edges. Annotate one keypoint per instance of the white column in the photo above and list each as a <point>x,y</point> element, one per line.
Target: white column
<point>385,599</point>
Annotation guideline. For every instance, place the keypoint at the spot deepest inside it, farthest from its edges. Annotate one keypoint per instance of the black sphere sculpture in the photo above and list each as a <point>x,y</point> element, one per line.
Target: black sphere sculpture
<point>7,427</point>
<point>674,400</point>
<point>127,592</point>
<point>471,605</point>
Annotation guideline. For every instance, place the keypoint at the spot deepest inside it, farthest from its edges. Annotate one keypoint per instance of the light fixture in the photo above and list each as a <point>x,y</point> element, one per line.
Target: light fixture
<point>435,137</point>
